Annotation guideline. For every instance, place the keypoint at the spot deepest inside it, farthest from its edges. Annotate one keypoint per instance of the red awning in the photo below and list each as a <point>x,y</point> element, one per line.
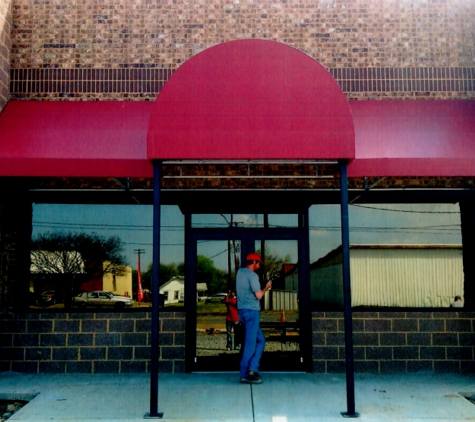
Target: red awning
<point>109,139</point>
<point>414,138</point>
<point>75,139</point>
<point>251,99</point>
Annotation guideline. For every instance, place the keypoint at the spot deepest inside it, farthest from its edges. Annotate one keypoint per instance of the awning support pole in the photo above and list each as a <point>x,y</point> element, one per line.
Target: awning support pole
<point>345,253</point>
<point>157,176</point>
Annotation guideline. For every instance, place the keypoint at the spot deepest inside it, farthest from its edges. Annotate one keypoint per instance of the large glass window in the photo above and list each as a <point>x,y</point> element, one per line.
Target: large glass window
<point>401,255</point>
<point>325,272</point>
<point>85,248</point>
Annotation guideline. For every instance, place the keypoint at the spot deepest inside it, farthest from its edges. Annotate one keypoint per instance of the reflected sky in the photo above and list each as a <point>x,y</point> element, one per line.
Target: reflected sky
<point>369,224</point>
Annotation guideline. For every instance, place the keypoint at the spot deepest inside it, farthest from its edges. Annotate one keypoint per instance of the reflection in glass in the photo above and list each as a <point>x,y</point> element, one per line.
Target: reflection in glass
<point>132,227</point>
<point>89,248</point>
<point>217,263</point>
<point>227,220</point>
<point>280,307</point>
<point>401,255</point>
<point>283,220</point>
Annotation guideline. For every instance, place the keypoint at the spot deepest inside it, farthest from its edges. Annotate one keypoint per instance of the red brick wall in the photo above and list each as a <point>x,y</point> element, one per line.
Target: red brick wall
<point>5,46</point>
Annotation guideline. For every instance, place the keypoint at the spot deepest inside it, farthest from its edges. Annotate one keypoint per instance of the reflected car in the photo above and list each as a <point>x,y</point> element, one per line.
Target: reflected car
<point>100,298</point>
<point>216,298</point>
<point>47,298</point>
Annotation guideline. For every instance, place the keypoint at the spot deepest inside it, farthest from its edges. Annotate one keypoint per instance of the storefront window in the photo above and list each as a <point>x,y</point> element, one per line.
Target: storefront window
<point>401,255</point>
<point>101,248</point>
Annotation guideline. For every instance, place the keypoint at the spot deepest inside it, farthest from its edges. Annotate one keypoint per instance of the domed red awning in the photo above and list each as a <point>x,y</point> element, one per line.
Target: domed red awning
<point>251,99</point>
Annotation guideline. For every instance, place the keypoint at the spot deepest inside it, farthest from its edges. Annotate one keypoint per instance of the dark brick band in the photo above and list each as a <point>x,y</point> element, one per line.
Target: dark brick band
<point>149,80</point>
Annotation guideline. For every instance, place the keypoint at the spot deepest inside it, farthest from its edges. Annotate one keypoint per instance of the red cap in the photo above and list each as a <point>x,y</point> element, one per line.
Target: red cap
<point>254,257</point>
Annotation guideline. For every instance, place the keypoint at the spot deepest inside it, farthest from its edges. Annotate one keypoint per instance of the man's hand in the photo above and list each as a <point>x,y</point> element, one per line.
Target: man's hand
<point>260,294</point>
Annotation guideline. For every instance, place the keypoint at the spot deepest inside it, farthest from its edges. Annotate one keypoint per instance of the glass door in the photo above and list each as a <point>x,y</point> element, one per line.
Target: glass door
<point>218,332</point>
<point>218,344</point>
<point>280,316</point>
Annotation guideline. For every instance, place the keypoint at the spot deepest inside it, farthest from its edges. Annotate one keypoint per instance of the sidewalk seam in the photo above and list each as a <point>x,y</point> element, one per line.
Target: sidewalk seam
<point>252,405</point>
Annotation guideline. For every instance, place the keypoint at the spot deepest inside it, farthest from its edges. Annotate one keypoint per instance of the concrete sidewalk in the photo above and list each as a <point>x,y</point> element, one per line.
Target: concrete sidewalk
<point>219,397</point>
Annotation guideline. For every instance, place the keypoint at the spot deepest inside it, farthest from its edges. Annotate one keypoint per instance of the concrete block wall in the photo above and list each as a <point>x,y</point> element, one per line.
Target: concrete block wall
<point>89,342</point>
<point>396,342</point>
<point>126,49</point>
<point>120,342</point>
<point>5,48</point>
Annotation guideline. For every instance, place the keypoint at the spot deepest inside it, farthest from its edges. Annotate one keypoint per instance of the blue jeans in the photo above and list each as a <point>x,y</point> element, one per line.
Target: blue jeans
<point>254,341</point>
<point>231,327</point>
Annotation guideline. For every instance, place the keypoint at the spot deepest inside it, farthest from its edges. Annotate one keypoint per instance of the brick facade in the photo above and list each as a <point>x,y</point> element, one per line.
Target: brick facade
<point>126,50</point>
<point>120,342</point>
<point>5,48</point>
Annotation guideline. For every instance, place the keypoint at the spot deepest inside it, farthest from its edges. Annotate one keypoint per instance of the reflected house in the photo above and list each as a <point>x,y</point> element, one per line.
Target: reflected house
<point>174,290</point>
<point>201,291</point>
<point>56,262</point>
<point>391,275</point>
<point>120,284</point>
<point>65,270</point>
<point>52,270</point>
<point>98,279</point>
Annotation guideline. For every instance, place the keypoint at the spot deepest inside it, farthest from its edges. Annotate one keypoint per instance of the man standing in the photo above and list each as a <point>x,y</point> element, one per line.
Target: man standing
<point>249,293</point>
<point>232,321</point>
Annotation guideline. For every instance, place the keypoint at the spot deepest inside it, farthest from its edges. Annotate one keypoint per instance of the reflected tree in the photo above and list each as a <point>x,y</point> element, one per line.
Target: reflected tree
<point>273,268</point>
<point>167,271</point>
<point>206,272</point>
<point>70,259</point>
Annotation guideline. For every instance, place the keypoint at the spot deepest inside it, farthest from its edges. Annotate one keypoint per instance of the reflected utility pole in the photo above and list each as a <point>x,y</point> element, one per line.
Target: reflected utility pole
<point>230,224</point>
<point>236,251</point>
<point>139,276</point>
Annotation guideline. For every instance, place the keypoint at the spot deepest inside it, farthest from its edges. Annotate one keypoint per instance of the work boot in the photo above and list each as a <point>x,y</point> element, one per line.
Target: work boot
<point>252,378</point>
<point>252,375</point>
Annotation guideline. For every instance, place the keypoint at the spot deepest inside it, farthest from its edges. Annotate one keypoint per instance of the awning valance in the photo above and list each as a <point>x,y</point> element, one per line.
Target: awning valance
<point>413,138</point>
<point>75,139</point>
<point>109,139</point>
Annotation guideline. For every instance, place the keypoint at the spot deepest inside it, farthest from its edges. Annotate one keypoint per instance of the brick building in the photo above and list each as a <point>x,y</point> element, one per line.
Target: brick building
<point>416,56</point>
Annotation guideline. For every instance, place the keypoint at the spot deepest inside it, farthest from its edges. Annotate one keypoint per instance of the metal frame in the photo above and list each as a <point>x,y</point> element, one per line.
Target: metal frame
<point>345,247</point>
<point>248,235</point>
<point>301,234</point>
<point>154,413</point>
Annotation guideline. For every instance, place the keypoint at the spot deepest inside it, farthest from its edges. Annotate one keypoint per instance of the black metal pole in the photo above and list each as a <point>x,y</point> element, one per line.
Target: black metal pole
<point>345,253</point>
<point>157,175</point>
